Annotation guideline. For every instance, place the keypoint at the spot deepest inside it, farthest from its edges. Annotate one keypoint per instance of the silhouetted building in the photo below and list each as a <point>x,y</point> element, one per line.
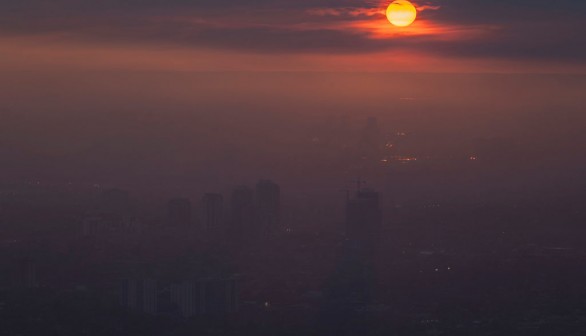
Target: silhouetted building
<point>242,210</point>
<point>363,217</point>
<point>179,212</point>
<point>140,295</point>
<point>268,199</point>
<point>212,211</point>
<point>353,282</point>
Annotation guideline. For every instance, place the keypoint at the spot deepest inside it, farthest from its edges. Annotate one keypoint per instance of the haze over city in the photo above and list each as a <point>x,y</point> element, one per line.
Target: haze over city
<point>308,167</point>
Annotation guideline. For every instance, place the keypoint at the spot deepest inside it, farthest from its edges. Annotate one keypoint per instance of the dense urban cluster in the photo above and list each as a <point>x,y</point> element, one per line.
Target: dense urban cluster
<point>104,261</point>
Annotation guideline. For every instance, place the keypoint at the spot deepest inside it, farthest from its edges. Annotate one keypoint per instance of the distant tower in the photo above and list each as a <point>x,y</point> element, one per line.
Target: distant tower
<point>242,210</point>
<point>363,218</point>
<point>179,212</point>
<point>212,211</point>
<point>354,281</point>
<point>268,199</point>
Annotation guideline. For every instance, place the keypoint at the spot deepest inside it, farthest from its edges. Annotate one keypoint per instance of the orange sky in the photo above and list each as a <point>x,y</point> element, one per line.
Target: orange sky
<point>320,35</point>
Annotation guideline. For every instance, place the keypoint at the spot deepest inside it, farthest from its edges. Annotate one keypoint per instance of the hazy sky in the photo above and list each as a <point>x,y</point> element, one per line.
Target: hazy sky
<point>156,91</point>
<point>342,35</point>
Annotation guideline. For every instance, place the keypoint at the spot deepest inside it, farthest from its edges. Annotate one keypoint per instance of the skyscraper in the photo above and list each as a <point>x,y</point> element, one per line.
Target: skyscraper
<point>354,279</point>
<point>268,199</point>
<point>242,210</point>
<point>212,211</point>
<point>363,218</point>
<point>179,212</point>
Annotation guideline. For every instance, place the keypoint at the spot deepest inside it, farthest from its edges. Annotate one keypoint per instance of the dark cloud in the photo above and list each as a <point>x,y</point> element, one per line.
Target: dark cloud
<point>518,29</point>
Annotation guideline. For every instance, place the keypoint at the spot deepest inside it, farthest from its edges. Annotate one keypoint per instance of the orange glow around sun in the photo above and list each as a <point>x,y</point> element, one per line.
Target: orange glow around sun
<point>401,13</point>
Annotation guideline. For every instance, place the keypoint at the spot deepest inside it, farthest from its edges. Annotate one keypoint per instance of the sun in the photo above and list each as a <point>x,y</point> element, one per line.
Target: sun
<point>401,13</point>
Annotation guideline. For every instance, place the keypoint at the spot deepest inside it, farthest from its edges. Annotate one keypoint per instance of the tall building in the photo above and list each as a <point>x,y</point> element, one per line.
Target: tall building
<point>212,211</point>
<point>179,212</point>
<point>353,282</point>
<point>363,218</point>
<point>242,210</point>
<point>268,200</point>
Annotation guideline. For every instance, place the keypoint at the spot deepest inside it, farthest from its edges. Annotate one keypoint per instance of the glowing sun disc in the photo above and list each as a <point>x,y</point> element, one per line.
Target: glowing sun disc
<point>401,13</point>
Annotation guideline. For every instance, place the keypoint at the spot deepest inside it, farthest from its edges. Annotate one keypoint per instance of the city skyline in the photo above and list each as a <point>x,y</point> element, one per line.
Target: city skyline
<point>292,167</point>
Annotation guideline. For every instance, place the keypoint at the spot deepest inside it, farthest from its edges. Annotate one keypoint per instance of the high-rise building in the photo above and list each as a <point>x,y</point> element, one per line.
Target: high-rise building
<point>242,210</point>
<point>179,212</point>
<point>268,200</point>
<point>354,279</point>
<point>363,218</point>
<point>212,211</point>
